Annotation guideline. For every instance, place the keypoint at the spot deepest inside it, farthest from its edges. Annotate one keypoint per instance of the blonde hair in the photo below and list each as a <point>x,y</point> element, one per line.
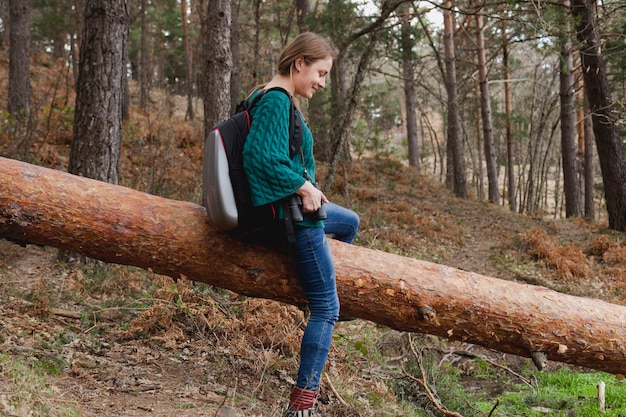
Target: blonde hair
<point>309,46</point>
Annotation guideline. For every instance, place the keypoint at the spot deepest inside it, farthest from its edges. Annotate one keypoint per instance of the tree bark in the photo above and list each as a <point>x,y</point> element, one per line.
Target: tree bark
<point>145,69</point>
<point>120,225</point>
<point>608,141</point>
<point>303,8</point>
<point>4,34</point>
<point>455,178</point>
<point>485,112</point>
<point>510,140</point>
<point>585,148</point>
<point>97,138</point>
<point>19,60</point>
<point>19,77</point>
<point>235,78</point>
<point>408,65</point>
<point>187,61</point>
<point>590,210</point>
<point>571,185</point>
<point>218,63</point>
<point>79,6</point>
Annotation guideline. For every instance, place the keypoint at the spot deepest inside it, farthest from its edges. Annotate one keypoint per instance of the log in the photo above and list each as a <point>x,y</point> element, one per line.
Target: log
<point>124,226</point>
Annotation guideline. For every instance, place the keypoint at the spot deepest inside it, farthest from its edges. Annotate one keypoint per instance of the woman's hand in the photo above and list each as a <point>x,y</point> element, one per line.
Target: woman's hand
<point>312,198</point>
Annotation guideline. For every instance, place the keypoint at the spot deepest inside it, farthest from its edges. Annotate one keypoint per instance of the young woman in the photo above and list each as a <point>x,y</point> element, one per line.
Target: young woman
<point>273,175</point>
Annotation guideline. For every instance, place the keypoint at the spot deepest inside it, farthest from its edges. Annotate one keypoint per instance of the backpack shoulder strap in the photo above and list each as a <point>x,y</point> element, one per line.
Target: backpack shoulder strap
<point>295,132</point>
<point>246,104</point>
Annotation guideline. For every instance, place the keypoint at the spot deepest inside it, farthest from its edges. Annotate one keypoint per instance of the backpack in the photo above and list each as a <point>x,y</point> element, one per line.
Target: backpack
<point>225,188</point>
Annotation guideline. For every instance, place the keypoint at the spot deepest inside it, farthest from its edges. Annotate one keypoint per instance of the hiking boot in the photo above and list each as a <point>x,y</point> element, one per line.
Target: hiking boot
<point>309,412</point>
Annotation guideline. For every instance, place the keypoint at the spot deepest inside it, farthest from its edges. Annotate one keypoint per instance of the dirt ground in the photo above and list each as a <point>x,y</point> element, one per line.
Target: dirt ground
<point>108,375</point>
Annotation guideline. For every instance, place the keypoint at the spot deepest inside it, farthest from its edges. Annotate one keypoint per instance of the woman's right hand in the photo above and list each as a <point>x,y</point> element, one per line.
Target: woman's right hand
<point>312,197</point>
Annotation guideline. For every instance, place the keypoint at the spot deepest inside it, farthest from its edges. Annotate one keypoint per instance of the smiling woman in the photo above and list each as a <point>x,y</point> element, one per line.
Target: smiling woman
<point>274,175</point>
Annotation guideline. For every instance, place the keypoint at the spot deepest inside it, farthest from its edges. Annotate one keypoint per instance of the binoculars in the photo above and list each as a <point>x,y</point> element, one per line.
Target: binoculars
<point>295,209</point>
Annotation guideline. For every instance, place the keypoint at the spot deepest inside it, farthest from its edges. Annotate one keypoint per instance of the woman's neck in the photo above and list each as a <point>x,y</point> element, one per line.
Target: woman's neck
<point>282,81</point>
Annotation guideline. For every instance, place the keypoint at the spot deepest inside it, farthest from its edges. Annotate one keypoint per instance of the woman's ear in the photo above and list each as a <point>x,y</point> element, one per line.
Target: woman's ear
<point>299,63</point>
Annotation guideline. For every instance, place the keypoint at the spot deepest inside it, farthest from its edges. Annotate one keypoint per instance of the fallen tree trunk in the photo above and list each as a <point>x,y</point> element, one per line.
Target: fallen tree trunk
<point>120,225</point>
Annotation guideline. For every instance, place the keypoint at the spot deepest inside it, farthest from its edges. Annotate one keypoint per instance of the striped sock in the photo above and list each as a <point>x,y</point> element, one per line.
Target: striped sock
<point>302,399</point>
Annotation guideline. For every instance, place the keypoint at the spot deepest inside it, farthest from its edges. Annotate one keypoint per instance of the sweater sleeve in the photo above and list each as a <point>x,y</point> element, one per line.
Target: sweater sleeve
<point>270,171</point>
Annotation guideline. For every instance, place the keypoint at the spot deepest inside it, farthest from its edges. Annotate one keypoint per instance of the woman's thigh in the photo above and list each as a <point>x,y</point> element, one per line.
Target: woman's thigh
<point>316,272</point>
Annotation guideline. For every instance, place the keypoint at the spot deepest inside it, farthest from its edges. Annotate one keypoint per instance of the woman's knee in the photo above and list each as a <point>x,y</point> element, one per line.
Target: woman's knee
<point>326,311</point>
<point>342,223</point>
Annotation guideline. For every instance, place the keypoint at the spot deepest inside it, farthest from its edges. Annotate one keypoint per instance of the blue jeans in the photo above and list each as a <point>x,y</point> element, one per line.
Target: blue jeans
<point>342,223</point>
<point>316,272</point>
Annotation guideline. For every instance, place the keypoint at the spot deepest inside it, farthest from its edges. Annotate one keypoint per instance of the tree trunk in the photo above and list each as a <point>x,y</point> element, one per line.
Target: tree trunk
<point>79,6</point>
<point>125,88</point>
<point>590,210</point>
<point>571,185</point>
<point>200,53</point>
<point>97,138</point>
<point>120,225</point>
<point>145,69</point>
<point>235,78</point>
<point>476,170</point>
<point>510,142</point>
<point>608,141</point>
<point>409,87</point>
<point>4,34</point>
<point>257,68</point>
<point>19,76</point>
<point>19,60</point>
<point>581,149</point>
<point>187,62</point>
<point>218,64</point>
<point>456,165</point>
<point>339,151</point>
<point>303,8</point>
<point>485,113</point>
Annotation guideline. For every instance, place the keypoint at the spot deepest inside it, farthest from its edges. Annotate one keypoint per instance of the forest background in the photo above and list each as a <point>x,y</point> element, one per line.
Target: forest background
<point>495,92</point>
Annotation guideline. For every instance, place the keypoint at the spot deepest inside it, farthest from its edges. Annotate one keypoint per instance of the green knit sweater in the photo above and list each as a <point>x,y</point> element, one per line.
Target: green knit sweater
<point>271,173</point>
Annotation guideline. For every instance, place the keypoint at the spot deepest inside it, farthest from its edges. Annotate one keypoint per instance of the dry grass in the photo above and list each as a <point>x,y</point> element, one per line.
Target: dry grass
<point>615,255</point>
<point>179,310</point>
<point>569,261</point>
<point>611,255</point>
<point>599,245</point>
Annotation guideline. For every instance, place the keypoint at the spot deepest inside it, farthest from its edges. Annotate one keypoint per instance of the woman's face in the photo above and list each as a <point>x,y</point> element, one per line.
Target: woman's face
<point>310,78</point>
